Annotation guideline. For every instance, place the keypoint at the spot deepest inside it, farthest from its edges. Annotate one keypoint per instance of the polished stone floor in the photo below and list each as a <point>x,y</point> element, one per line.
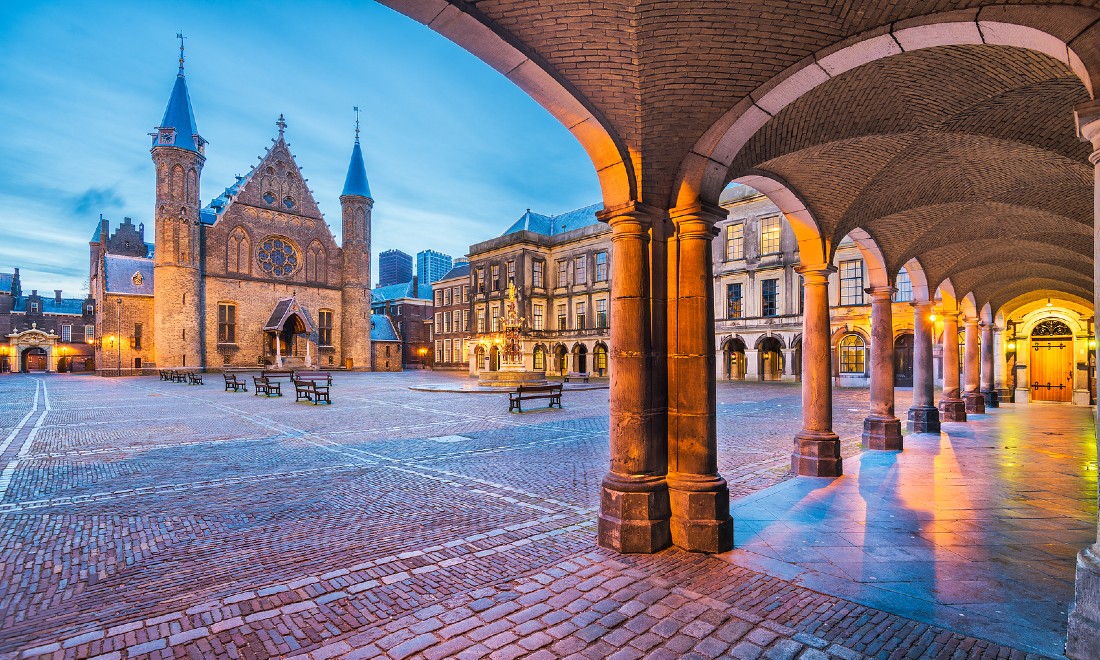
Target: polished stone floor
<point>974,529</point>
<point>140,518</point>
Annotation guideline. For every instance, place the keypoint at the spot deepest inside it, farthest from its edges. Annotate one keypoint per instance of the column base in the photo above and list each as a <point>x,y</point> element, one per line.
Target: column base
<point>992,399</point>
<point>923,419</point>
<point>952,410</point>
<point>816,454</point>
<point>975,403</point>
<point>701,519</point>
<point>882,433</point>
<point>634,514</point>
<point>1005,395</point>
<point>1083,636</point>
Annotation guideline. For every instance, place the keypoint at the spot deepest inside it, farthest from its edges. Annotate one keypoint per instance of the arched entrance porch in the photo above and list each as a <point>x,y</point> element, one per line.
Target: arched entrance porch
<point>733,357</point>
<point>580,358</point>
<point>34,359</point>
<point>770,360</point>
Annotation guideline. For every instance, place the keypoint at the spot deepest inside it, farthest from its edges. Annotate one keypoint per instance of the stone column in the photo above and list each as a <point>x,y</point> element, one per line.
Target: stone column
<point>973,399</point>
<point>882,429</point>
<point>816,447</point>
<point>634,510</point>
<point>923,416</point>
<point>989,385</point>
<point>1084,619</point>
<point>698,496</point>
<point>952,407</point>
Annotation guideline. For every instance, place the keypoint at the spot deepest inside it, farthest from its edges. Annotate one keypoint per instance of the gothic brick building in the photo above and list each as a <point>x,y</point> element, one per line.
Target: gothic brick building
<point>254,277</point>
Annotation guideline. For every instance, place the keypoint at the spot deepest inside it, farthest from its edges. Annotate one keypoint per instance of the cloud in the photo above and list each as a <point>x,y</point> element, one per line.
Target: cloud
<point>97,200</point>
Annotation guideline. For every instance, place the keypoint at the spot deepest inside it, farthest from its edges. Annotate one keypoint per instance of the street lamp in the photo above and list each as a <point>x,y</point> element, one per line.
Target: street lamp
<point>118,317</point>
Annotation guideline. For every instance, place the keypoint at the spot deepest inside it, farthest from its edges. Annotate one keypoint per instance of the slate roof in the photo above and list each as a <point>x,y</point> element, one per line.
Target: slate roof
<point>460,270</point>
<point>381,328</point>
<point>71,306</point>
<point>283,310</point>
<point>6,280</point>
<point>403,290</point>
<point>356,181</point>
<point>221,203</point>
<point>180,116</point>
<point>552,225</point>
<point>120,271</point>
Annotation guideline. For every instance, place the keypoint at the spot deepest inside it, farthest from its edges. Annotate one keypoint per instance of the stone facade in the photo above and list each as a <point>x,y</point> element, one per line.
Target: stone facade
<point>409,308</point>
<point>561,268</point>
<point>208,295</point>
<point>451,318</point>
<point>44,332</point>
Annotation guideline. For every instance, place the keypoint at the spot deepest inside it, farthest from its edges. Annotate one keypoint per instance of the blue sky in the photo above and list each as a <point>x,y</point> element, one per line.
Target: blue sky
<point>454,152</point>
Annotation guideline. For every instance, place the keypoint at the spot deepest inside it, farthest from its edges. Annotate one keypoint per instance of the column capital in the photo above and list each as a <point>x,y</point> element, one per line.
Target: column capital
<point>951,314</point>
<point>815,273</point>
<point>635,213</point>
<point>880,292</point>
<point>922,304</point>
<point>1087,118</point>
<point>697,219</point>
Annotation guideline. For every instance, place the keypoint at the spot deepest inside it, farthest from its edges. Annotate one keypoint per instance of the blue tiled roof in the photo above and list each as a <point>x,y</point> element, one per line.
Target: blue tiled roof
<point>98,228</point>
<point>460,270</point>
<point>6,280</point>
<point>73,306</point>
<point>120,271</point>
<point>220,204</point>
<point>178,115</point>
<point>381,328</point>
<point>403,290</point>
<point>552,225</point>
<point>356,181</point>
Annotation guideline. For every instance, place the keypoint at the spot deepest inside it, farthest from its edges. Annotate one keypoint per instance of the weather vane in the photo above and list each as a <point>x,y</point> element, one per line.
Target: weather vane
<point>281,124</point>
<point>179,35</point>
<point>356,123</point>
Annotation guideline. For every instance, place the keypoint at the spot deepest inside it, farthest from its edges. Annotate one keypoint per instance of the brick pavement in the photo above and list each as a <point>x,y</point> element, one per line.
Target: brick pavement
<point>151,519</point>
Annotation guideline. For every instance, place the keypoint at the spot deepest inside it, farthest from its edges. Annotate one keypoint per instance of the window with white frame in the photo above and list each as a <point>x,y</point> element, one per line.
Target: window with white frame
<point>89,332</point>
<point>904,287</point>
<point>733,301</point>
<point>851,282</point>
<point>601,266</point>
<point>537,267</point>
<point>601,313</point>
<point>582,309</point>
<point>563,273</point>
<point>438,322</point>
<point>66,333</point>
<point>580,269</point>
<point>562,319</point>
<point>769,298</point>
<point>769,235</point>
<point>536,316</point>
<point>735,241</point>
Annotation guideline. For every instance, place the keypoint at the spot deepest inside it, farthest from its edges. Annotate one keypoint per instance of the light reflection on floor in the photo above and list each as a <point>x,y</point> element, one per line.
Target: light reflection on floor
<point>976,529</point>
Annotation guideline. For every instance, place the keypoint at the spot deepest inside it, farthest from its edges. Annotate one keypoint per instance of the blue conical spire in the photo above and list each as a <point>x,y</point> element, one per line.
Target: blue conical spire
<point>356,181</point>
<point>179,116</point>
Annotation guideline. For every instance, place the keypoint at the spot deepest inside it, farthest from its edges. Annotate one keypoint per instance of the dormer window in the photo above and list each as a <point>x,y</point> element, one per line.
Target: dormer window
<point>288,202</point>
<point>269,198</point>
<point>33,308</point>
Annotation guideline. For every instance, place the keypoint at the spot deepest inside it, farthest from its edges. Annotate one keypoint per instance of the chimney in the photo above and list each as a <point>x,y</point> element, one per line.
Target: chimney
<point>57,296</point>
<point>416,289</point>
<point>34,292</point>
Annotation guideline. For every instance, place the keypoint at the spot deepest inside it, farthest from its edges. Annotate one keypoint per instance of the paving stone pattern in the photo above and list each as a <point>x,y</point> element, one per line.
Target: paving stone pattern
<point>147,519</point>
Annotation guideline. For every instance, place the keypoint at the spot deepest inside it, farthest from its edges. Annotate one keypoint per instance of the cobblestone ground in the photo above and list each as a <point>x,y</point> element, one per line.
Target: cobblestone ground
<point>140,518</point>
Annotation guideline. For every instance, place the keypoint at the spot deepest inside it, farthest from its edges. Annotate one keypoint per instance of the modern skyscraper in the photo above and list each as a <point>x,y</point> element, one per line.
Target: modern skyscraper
<point>394,267</point>
<point>432,265</point>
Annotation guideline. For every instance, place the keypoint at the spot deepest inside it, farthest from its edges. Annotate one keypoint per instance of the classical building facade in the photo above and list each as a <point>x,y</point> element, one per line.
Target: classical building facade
<point>255,277</point>
<point>451,318</point>
<point>561,268</point>
<point>44,332</point>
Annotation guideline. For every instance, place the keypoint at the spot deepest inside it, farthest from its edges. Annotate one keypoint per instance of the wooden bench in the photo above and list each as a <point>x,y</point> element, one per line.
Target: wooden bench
<point>165,374</point>
<point>310,391</point>
<point>179,376</point>
<point>231,383</point>
<point>577,375</point>
<point>267,387</point>
<point>529,392</point>
<point>273,374</point>
<point>194,378</point>
<point>314,376</point>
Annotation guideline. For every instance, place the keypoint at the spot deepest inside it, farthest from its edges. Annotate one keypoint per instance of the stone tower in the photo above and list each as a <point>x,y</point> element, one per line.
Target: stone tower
<point>356,204</point>
<point>178,153</point>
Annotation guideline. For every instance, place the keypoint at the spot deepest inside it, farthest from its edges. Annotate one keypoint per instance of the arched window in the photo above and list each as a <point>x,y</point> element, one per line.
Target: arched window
<point>601,359</point>
<point>540,358</point>
<point>853,355</point>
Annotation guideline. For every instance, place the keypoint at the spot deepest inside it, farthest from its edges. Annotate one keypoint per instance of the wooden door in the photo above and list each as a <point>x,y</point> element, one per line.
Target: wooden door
<point>1051,369</point>
<point>903,361</point>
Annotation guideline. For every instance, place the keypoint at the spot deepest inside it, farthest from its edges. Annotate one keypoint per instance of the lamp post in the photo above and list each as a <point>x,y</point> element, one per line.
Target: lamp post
<point>118,318</point>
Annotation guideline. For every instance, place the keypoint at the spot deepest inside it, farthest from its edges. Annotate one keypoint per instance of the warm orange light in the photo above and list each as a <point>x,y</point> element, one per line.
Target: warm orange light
<point>932,318</point>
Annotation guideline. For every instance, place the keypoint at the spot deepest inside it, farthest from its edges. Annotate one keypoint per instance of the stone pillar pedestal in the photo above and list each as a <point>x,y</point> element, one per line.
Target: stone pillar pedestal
<point>923,416</point>
<point>988,359</point>
<point>1083,639</point>
<point>698,497</point>
<point>634,508</point>
<point>882,429</point>
<point>952,406</point>
<point>816,447</point>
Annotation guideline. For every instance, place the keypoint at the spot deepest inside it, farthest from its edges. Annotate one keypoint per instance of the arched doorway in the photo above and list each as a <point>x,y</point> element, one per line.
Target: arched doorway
<point>903,360</point>
<point>796,368</point>
<point>771,358</point>
<point>538,358</point>
<point>561,359</point>
<point>1051,367</point>
<point>734,354</point>
<point>34,359</point>
<point>479,359</point>
<point>494,358</point>
<point>600,358</point>
<point>580,358</point>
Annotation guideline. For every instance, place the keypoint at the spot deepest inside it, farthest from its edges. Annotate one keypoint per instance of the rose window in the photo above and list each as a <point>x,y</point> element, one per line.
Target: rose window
<point>278,258</point>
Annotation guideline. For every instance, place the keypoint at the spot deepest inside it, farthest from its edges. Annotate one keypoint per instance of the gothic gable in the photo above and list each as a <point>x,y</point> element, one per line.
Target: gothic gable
<point>277,184</point>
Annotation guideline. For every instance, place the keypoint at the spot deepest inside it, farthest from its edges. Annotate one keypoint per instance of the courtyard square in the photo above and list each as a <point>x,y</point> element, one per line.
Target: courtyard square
<point>142,518</point>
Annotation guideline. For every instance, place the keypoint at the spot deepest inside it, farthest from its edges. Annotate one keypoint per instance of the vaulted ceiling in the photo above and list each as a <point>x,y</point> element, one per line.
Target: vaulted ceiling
<point>947,146</point>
